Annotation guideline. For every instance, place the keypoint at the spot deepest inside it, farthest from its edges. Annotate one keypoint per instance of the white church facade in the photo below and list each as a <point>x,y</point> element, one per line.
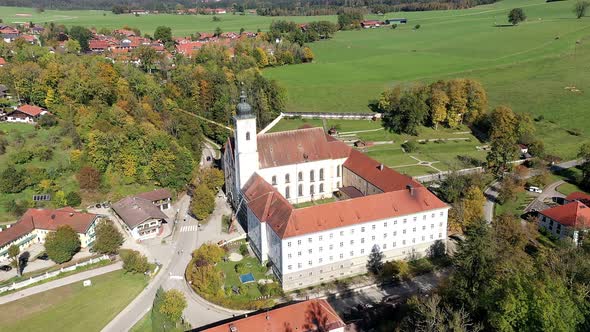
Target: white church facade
<point>373,205</point>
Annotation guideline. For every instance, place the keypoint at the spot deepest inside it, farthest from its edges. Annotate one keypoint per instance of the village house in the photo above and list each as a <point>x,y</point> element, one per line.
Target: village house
<point>25,114</point>
<point>301,316</point>
<point>368,24</point>
<point>35,224</point>
<point>142,215</point>
<point>570,220</point>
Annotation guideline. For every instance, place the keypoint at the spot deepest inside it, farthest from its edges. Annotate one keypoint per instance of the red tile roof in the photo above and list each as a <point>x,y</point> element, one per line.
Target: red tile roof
<point>574,214</point>
<point>298,146</point>
<point>383,178</point>
<point>16,230</point>
<point>31,110</point>
<point>302,316</point>
<point>47,219</point>
<point>271,207</point>
<point>98,44</point>
<point>579,196</point>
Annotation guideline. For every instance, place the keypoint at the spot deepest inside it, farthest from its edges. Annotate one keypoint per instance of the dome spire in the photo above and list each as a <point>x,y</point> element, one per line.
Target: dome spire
<point>244,109</point>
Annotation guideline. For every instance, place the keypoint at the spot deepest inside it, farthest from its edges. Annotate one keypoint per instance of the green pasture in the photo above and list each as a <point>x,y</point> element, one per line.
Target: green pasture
<point>73,307</point>
<point>182,25</point>
<point>528,67</point>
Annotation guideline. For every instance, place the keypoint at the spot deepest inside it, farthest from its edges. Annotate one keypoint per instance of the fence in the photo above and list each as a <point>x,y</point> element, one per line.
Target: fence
<point>47,275</point>
<point>326,115</point>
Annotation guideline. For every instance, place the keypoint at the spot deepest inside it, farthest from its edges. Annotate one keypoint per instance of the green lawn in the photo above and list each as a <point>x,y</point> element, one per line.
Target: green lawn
<point>182,25</point>
<point>232,277</point>
<point>526,67</point>
<point>315,202</point>
<point>515,206</point>
<point>73,307</point>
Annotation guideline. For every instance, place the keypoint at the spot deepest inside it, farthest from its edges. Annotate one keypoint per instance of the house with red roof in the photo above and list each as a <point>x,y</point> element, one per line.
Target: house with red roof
<point>35,224</point>
<point>311,315</point>
<point>570,220</point>
<point>370,24</point>
<point>315,208</point>
<point>26,114</point>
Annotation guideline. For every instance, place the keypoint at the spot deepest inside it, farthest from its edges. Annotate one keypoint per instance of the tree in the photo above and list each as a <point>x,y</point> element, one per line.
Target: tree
<point>108,238</point>
<point>89,178</point>
<point>584,154</point>
<point>163,34</point>
<point>507,190</point>
<point>516,15</point>
<point>12,180</point>
<point>307,54</point>
<point>59,199</point>
<point>134,261</point>
<point>261,57</point>
<point>82,35</point>
<point>62,244</point>
<point>217,32</point>
<point>580,8</point>
<point>503,136</point>
<point>438,103</point>
<point>147,57</point>
<point>210,253</point>
<point>375,262</point>
<point>13,253</point>
<point>203,202</point>
<point>473,206</point>
<point>173,304</point>
<point>73,46</point>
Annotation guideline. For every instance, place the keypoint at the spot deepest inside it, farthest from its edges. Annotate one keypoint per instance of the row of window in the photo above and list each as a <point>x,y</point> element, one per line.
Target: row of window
<point>373,227</point>
<point>300,176</point>
<point>362,252</point>
<point>300,190</point>
<point>331,246</point>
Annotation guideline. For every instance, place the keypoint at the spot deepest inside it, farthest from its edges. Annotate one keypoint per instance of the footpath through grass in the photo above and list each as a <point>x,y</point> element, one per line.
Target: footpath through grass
<point>73,307</point>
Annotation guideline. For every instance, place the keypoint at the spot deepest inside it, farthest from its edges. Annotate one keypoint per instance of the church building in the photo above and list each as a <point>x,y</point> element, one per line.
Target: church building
<point>315,207</point>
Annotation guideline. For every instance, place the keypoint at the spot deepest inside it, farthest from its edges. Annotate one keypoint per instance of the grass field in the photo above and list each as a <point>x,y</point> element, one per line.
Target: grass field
<point>182,25</point>
<point>73,307</point>
<point>526,67</point>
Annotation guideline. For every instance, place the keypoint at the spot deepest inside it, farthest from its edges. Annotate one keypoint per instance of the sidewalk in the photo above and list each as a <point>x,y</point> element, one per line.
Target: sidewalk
<point>60,282</point>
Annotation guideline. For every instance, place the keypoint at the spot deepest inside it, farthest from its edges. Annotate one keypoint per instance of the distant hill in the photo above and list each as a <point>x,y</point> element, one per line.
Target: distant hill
<point>162,5</point>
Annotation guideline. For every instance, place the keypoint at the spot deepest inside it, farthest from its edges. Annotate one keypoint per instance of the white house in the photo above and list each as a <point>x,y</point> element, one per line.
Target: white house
<point>142,215</point>
<point>372,205</point>
<point>35,224</point>
<point>26,114</point>
<point>570,220</point>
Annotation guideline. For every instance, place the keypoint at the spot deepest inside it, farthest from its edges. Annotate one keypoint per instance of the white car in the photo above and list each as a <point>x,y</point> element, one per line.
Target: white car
<point>535,189</point>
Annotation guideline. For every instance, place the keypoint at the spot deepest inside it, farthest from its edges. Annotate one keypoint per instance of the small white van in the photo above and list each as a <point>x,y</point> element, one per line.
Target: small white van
<point>535,189</point>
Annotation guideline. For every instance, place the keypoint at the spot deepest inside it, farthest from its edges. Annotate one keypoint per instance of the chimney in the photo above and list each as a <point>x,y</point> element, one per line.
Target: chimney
<point>380,167</point>
<point>410,189</point>
<point>267,316</point>
<point>71,214</point>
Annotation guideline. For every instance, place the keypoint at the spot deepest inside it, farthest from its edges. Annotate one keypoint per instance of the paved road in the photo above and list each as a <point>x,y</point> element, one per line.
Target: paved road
<point>549,192</point>
<point>491,194</point>
<point>60,282</point>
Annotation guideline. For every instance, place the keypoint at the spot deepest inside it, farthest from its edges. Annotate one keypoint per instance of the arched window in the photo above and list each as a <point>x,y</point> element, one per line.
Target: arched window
<point>287,179</point>
<point>338,170</point>
<point>287,192</point>
<point>311,175</point>
<point>300,176</point>
<point>311,189</point>
<point>247,136</point>
<point>321,187</point>
<point>274,180</point>
<point>300,191</point>
<point>321,174</point>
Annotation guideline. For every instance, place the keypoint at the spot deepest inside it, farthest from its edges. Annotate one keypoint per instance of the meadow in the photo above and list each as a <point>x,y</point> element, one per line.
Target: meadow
<point>528,67</point>
<point>182,25</point>
<point>79,308</point>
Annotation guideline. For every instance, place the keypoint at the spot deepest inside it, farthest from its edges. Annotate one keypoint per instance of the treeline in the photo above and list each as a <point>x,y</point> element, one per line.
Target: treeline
<point>507,277</point>
<point>160,5</point>
<point>448,103</point>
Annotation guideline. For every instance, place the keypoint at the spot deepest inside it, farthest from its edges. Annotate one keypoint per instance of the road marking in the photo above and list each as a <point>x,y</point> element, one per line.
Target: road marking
<point>189,228</point>
<point>176,277</point>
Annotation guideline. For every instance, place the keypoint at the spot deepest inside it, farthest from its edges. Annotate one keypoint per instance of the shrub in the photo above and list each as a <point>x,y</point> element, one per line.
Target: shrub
<point>44,153</point>
<point>73,199</point>
<point>421,266</point>
<point>47,120</point>
<point>394,26</point>
<point>89,178</point>
<point>244,249</point>
<point>22,156</point>
<point>134,261</point>
<point>417,26</point>
<point>410,146</point>
<point>240,268</point>
<point>574,132</point>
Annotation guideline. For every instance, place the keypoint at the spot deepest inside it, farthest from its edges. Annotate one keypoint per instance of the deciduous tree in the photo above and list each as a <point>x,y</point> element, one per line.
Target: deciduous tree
<point>88,178</point>
<point>13,253</point>
<point>173,304</point>
<point>203,202</point>
<point>516,15</point>
<point>62,244</point>
<point>108,237</point>
<point>580,8</point>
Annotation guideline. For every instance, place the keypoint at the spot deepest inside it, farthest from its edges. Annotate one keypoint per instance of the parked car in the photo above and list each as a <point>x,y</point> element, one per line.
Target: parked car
<point>43,256</point>
<point>6,268</point>
<point>535,189</point>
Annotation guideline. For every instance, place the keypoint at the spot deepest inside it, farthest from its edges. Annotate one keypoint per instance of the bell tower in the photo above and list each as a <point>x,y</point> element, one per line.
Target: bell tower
<point>246,149</point>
